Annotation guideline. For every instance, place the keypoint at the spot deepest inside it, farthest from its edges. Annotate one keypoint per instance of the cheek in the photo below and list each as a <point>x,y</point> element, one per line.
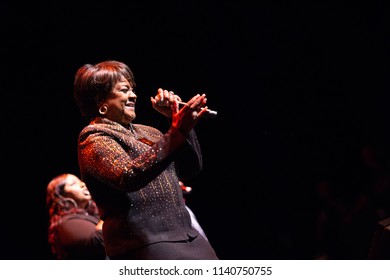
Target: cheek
<point>75,194</point>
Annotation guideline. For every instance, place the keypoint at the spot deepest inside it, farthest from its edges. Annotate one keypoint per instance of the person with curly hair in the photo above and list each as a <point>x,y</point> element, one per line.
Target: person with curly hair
<point>75,228</point>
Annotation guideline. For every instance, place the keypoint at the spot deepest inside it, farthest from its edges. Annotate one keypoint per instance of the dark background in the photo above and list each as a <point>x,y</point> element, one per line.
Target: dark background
<point>301,89</point>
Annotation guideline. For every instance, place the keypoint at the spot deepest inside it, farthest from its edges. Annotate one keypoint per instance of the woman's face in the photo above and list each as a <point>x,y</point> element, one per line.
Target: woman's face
<point>121,103</point>
<point>76,189</point>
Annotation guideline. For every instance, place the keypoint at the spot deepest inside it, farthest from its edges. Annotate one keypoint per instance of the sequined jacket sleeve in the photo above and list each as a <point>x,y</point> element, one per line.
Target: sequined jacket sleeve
<point>128,160</point>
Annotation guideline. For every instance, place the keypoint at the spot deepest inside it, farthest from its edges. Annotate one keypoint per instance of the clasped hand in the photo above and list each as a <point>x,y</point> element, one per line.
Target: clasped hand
<point>167,103</point>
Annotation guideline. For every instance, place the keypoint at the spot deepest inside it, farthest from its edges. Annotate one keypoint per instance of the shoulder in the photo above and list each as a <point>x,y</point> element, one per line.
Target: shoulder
<point>79,218</point>
<point>147,129</point>
<point>101,124</point>
<point>101,127</point>
<point>76,226</point>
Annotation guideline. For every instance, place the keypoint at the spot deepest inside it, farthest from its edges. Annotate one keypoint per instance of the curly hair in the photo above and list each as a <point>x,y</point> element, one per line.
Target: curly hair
<point>59,205</point>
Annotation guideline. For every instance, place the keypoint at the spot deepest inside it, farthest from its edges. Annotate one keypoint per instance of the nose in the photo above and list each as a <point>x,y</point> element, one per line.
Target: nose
<point>132,94</point>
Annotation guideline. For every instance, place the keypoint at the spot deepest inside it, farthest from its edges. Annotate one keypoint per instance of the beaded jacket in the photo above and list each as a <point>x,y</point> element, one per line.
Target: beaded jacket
<point>133,176</point>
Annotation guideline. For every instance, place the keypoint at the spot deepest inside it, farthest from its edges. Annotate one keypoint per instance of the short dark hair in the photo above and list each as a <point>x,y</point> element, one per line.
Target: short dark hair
<point>93,83</point>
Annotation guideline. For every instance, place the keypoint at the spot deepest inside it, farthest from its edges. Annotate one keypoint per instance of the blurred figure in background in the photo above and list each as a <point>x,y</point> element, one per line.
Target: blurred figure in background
<point>75,229</point>
<point>194,221</point>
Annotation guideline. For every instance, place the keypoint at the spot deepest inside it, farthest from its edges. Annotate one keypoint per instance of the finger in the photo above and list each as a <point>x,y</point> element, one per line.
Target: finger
<point>153,101</point>
<point>157,98</point>
<point>174,107</point>
<point>177,98</point>
<point>171,96</point>
<point>192,100</point>
<point>166,94</point>
<point>165,99</point>
<point>202,101</point>
<point>202,112</point>
<point>161,95</point>
<point>197,101</point>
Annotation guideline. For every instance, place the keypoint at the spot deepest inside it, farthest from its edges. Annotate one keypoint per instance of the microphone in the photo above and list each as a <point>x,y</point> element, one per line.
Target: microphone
<point>209,113</point>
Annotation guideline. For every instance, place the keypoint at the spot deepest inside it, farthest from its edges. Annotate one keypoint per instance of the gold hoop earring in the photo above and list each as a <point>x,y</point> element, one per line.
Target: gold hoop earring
<point>103,109</point>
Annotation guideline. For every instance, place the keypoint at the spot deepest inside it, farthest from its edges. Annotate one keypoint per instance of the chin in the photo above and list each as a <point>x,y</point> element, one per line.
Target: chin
<point>131,117</point>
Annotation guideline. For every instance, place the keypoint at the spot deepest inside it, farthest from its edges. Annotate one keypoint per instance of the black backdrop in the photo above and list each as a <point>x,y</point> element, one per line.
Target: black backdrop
<point>299,87</point>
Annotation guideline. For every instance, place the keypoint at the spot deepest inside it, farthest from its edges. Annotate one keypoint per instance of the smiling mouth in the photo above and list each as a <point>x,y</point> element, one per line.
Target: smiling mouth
<point>130,104</point>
